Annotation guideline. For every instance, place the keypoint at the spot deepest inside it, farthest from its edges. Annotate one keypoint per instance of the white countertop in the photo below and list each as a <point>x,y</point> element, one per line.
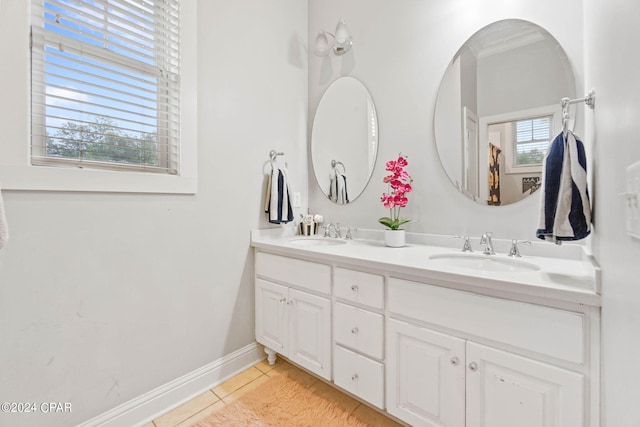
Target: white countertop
<point>567,273</point>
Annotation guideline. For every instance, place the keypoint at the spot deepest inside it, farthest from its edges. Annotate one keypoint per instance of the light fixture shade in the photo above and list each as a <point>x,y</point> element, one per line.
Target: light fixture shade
<point>343,38</point>
<point>323,47</point>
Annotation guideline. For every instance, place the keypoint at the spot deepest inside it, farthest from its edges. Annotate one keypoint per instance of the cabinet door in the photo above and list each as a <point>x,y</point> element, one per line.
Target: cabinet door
<point>505,390</point>
<point>310,332</point>
<point>271,315</point>
<point>425,376</point>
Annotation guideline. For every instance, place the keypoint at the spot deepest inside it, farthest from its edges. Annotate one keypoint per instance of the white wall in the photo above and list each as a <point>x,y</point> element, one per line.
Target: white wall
<point>612,61</point>
<point>104,297</point>
<point>402,62</point>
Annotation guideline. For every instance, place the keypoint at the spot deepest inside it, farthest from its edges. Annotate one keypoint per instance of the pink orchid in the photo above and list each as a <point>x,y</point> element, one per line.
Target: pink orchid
<point>399,185</point>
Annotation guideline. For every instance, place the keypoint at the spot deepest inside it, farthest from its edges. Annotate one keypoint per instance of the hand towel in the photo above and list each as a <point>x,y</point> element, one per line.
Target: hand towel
<point>565,210</point>
<point>4,228</point>
<point>338,188</point>
<point>278,197</point>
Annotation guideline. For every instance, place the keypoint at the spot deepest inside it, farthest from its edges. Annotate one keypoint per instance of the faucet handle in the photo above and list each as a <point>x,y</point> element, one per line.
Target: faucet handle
<point>348,236</point>
<point>514,251</point>
<point>466,247</point>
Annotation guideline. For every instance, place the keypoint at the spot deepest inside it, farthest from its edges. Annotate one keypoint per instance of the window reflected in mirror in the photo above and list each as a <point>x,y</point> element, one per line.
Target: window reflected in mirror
<point>498,108</point>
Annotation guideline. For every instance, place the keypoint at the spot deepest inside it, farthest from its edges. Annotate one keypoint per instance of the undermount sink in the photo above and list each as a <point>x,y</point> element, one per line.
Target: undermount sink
<point>317,241</point>
<point>490,263</point>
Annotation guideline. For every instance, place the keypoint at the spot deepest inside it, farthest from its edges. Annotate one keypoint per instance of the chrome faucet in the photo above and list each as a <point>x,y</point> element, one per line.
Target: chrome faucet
<point>336,230</point>
<point>488,244</point>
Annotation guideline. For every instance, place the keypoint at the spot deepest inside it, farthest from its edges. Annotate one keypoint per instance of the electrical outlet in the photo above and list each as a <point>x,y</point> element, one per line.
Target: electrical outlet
<point>296,200</point>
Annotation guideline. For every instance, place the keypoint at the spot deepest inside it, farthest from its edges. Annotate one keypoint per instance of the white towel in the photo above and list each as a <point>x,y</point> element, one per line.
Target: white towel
<point>278,197</point>
<point>4,228</point>
<point>565,210</point>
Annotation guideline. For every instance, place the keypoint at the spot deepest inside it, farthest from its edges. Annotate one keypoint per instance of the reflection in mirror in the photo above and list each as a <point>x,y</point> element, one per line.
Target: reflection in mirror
<point>344,140</point>
<point>498,108</point>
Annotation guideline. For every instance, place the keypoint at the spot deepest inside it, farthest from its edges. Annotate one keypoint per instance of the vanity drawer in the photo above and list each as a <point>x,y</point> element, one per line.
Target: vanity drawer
<point>359,287</point>
<point>554,332</point>
<point>359,375</point>
<point>358,329</point>
<point>296,272</point>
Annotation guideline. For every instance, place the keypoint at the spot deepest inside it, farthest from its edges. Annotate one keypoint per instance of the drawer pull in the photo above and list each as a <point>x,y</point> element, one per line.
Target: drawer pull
<point>455,361</point>
<point>283,300</point>
<point>354,330</point>
<point>354,377</point>
<point>473,366</point>
<point>355,288</point>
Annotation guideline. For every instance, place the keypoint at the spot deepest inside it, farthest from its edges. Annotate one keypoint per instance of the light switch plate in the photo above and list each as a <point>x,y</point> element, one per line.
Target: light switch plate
<point>632,200</point>
<point>296,199</point>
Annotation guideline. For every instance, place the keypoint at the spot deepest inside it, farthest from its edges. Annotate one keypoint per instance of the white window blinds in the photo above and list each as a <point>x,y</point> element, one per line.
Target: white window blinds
<point>532,137</point>
<point>105,84</point>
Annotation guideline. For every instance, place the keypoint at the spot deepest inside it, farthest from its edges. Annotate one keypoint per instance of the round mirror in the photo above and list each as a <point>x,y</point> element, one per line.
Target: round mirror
<point>344,140</point>
<point>498,108</point>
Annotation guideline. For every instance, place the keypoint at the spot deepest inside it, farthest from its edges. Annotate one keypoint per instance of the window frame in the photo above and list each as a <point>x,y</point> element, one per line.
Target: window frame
<point>514,140</point>
<point>16,171</point>
<point>554,110</point>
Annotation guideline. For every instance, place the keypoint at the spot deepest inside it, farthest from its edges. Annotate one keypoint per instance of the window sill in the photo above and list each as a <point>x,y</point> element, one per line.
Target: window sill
<point>43,178</point>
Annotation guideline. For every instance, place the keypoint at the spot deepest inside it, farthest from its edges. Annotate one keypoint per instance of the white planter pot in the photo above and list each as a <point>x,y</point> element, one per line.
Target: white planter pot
<point>394,238</point>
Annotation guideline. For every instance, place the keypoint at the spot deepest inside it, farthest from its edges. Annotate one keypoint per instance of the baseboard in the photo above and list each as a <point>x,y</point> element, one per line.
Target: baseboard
<point>149,406</point>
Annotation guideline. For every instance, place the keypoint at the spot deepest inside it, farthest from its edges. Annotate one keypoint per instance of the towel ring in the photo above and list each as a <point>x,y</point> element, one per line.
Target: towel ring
<point>273,154</point>
<point>335,163</point>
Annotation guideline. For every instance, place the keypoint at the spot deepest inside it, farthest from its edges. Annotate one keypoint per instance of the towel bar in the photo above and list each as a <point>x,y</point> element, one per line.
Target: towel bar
<point>589,99</point>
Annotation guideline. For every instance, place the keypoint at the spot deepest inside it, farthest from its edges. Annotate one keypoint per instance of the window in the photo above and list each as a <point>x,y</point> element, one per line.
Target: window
<point>105,84</point>
<point>531,140</point>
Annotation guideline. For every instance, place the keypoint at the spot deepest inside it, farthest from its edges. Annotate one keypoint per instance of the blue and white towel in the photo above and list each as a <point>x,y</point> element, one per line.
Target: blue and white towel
<point>278,197</point>
<point>4,228</point>
<point>338,188</point>
<point>565,210</point>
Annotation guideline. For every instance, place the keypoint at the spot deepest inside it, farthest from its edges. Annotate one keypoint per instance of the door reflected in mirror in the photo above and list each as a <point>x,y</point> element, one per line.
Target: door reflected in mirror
<point>498,108</point>
<point>344,140</point>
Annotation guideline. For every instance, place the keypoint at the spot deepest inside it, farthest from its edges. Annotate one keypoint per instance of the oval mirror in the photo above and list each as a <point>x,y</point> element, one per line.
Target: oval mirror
<point>344,140</point>
<point>498,108</point>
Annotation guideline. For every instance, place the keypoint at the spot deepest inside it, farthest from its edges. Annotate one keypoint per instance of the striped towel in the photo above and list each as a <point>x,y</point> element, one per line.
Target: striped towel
<point>565,211</point>
<point>278,198</point>
<point>4,228</point>
<point>338,188</point>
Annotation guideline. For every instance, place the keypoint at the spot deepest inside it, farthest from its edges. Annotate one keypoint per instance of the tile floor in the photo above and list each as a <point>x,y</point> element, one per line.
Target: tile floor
<point>211,401</point>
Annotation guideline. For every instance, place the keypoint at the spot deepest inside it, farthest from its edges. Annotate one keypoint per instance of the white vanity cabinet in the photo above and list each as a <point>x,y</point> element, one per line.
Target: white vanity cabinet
<point>290,320</point>
<point>358,329</point>
<point>449,379</point>
<point>432,347</point>
<point>425,376</point>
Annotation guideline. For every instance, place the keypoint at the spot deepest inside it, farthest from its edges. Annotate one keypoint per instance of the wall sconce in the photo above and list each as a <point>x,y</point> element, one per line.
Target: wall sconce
<point>340,42</point>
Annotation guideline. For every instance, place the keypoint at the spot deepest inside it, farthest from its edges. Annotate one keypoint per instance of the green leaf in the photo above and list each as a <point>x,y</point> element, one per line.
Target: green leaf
<point>403,221</point>
<point>387,222</point>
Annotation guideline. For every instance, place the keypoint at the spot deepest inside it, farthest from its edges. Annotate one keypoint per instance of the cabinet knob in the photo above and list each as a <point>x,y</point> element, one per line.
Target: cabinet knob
<point>354,377</point>
<point>283,300</point>
<point>473,366</point>
<point>354,330</point>
<point>454,361</point>
<point>355,288</point>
